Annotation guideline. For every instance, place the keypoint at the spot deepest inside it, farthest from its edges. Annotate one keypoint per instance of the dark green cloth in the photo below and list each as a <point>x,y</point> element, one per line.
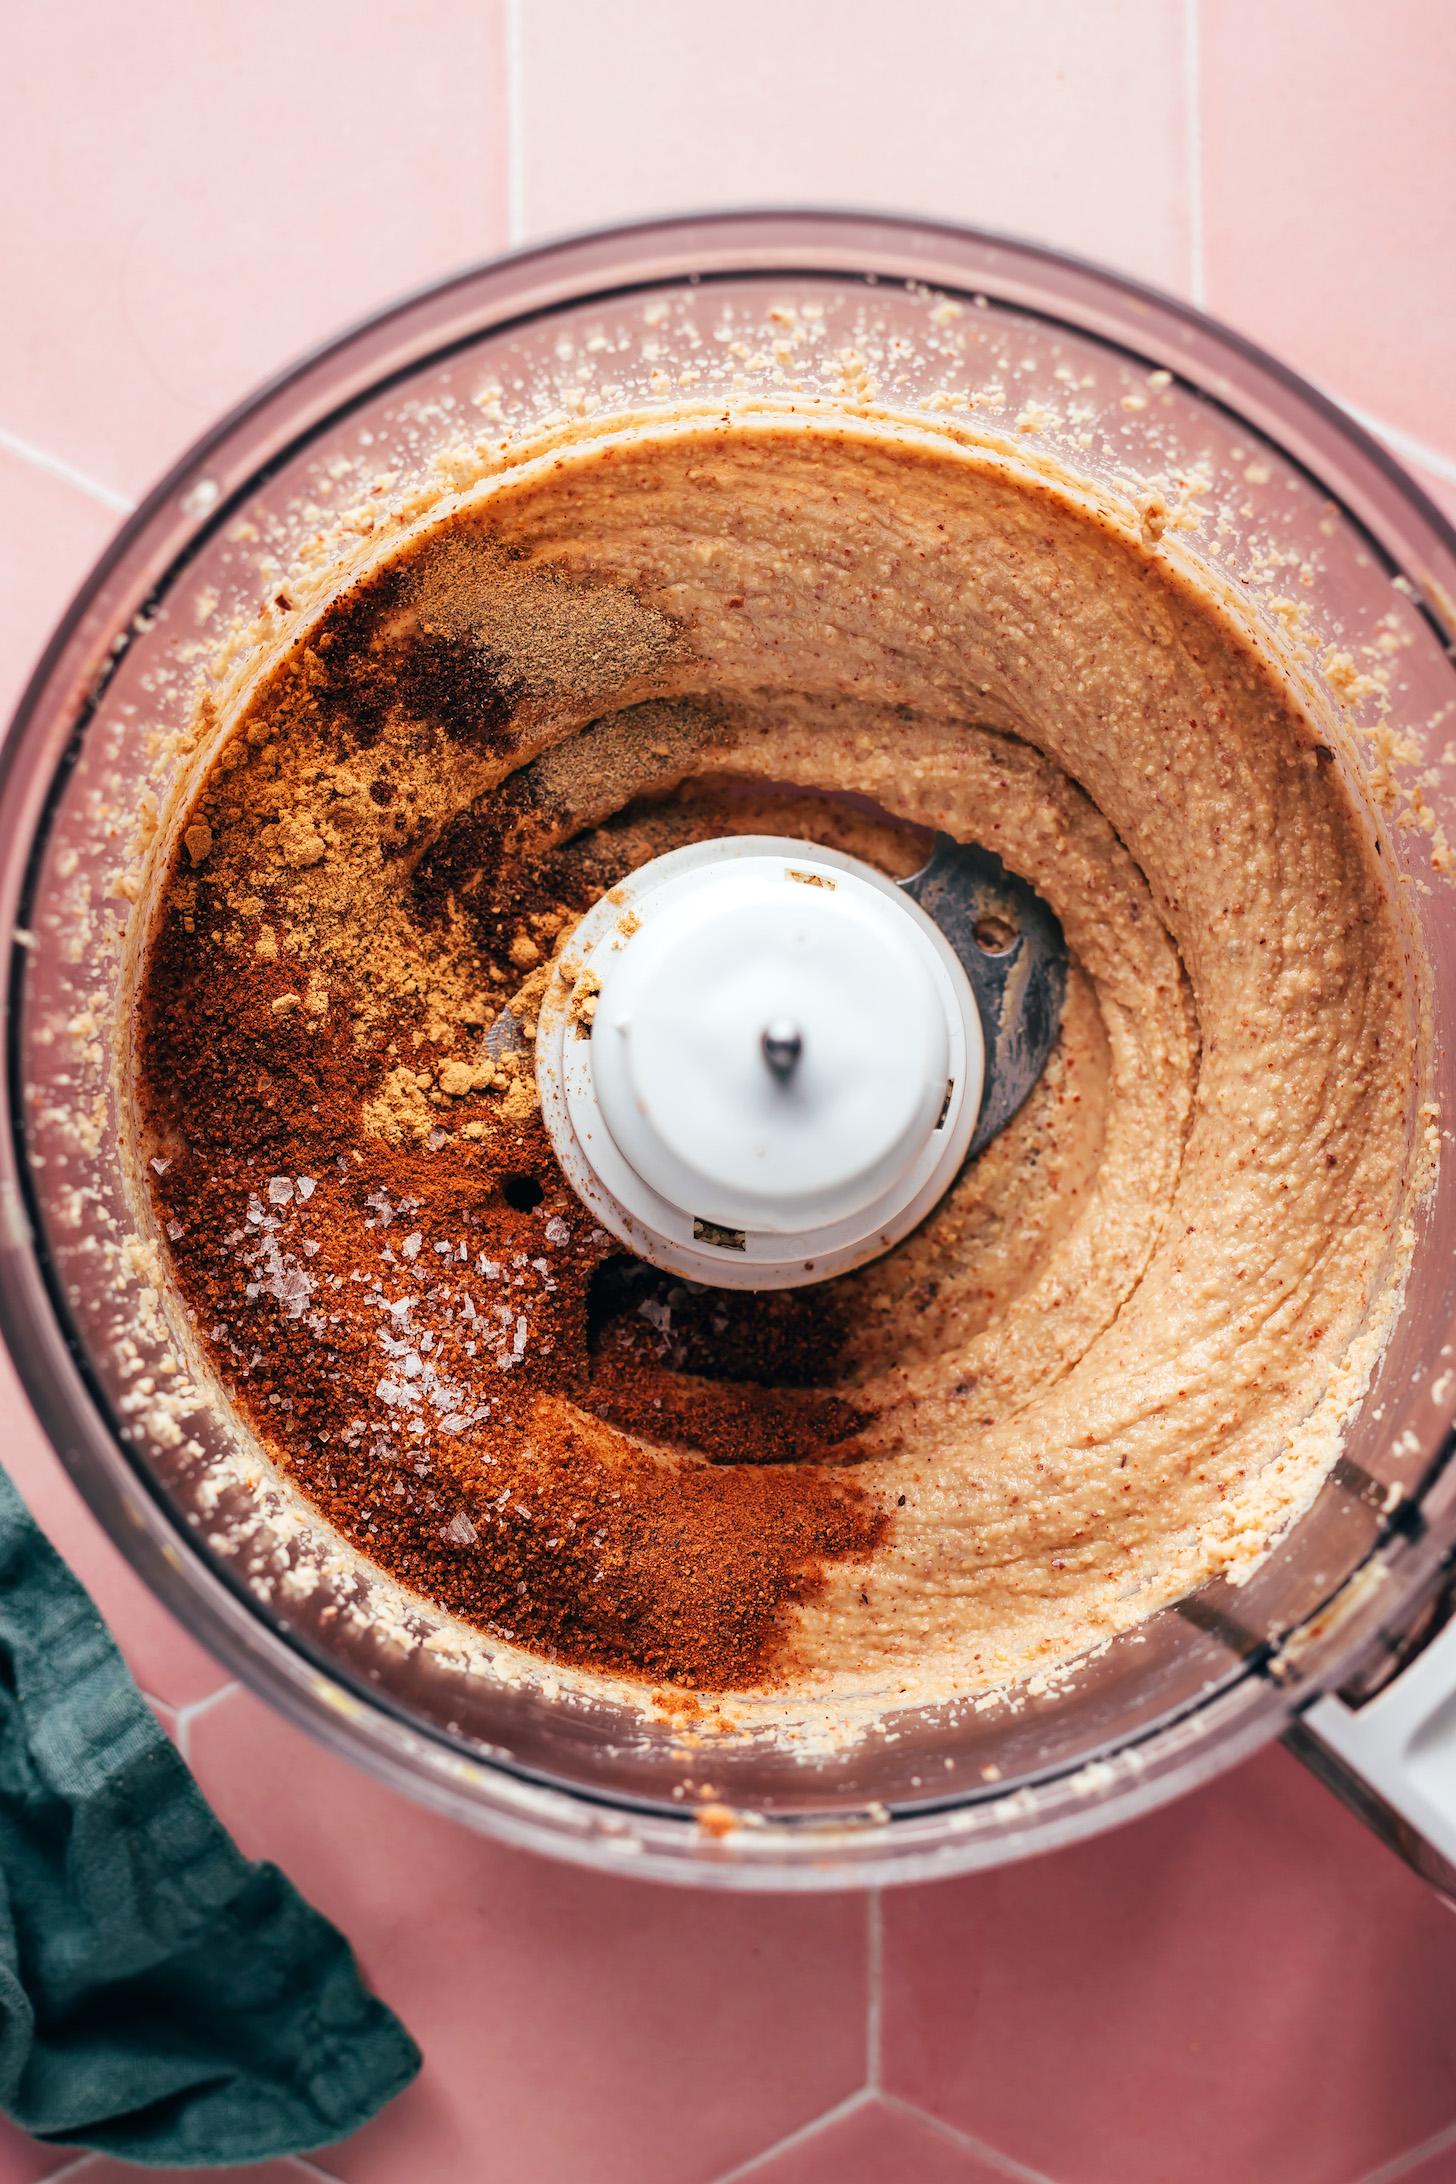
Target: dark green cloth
<point>161,1998</point>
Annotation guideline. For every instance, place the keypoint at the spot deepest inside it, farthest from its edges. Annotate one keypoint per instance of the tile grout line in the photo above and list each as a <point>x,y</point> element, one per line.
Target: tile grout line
<point>199,1706</point>
<point>874,1985</point>
<point>1405,443</point>
<point>874,2056</point>
<point>860,2098</point>
<point>515,122</point>
<point>1406,2164</point>
<point>992,2156</point>
<point>57,467</point>
<point>187,1715</point>
<point>91,2159</point>
<point>1193,102</point>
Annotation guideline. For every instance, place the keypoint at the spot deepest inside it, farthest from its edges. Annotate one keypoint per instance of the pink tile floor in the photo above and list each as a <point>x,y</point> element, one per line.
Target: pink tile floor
<point>1242,1990</point>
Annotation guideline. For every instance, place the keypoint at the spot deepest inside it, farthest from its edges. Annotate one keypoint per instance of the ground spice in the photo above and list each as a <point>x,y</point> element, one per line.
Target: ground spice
<point>364,1215</point>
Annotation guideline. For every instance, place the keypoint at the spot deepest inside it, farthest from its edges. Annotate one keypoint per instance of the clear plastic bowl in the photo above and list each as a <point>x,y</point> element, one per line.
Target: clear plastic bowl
<point>1061,358</point>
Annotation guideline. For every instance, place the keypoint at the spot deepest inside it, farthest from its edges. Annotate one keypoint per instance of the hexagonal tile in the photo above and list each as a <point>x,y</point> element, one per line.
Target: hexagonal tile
<point>1327,201</point>
<point>1245,1985</point>
<point>876,2143</point>
<point>217,200</point>
<point>576,2024</point>
<point>24,2160</point>
<point>996,114</point>
<point>52,533</point>
<point>165,1661</point>
<point>1437,2168</point>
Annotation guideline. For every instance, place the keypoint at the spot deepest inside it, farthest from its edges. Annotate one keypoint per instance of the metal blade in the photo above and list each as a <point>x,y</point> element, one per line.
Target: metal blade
<point>1013,952</point>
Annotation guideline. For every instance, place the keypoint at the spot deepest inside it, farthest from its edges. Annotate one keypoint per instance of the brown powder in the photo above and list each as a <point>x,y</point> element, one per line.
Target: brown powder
<point>364,1216</point>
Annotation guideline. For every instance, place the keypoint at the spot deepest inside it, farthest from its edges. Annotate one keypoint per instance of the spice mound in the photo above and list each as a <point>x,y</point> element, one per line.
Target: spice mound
<point>1117,1357</point>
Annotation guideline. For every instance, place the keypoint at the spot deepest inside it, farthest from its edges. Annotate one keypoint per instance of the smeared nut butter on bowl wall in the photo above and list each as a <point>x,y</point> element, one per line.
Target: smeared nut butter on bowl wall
<point>1113,1362</point>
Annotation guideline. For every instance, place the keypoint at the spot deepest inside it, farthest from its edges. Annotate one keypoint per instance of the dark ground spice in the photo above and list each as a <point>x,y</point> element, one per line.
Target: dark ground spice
<point>560,1445</point>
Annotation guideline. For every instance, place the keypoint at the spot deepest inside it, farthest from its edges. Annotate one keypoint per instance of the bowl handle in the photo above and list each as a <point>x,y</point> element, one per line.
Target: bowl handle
<point>1389,1749</point>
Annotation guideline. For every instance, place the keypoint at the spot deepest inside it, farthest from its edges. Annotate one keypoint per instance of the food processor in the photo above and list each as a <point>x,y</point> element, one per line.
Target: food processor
<point>1339,1642</point>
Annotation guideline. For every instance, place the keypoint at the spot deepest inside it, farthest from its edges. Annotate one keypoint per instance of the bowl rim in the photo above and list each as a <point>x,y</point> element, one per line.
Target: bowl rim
<point>918,1841</point>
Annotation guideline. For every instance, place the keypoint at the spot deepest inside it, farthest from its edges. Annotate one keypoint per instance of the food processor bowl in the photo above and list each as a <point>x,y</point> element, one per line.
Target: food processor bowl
<point>1265,483</point>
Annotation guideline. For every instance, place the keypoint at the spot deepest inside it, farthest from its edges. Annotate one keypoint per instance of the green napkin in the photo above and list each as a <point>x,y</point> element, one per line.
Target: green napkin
<point>161,1998</point>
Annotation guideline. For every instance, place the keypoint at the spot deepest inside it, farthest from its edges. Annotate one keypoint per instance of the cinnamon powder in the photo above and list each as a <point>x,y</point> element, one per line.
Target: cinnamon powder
<point>365,1219</point>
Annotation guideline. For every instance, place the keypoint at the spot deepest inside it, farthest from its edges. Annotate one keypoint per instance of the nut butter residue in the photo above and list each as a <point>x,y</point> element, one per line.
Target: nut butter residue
<point>1117,1358</point>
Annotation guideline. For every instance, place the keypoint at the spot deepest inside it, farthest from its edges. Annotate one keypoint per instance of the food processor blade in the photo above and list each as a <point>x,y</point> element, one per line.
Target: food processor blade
<point>1013,952</point>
